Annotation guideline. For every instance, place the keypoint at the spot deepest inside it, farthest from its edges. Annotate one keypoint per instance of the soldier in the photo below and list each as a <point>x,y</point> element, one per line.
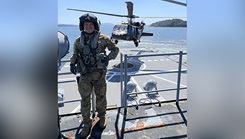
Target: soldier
<point>91,61</point>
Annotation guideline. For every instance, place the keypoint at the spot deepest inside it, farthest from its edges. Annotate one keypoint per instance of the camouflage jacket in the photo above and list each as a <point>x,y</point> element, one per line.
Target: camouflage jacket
<point>102,42</point>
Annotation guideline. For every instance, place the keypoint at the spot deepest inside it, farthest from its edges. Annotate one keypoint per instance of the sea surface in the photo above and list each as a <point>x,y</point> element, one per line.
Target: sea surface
<point>164,40</point>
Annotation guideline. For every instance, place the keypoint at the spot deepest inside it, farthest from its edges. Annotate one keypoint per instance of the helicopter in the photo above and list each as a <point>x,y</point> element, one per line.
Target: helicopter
<point>176,2</point>
<point>130,30</point>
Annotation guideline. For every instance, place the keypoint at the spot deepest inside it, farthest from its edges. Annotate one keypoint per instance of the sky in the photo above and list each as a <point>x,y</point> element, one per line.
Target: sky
<point>140,8</point>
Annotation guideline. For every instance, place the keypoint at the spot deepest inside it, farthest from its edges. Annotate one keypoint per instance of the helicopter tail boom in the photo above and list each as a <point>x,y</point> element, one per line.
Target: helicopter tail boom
<point>147,34</point>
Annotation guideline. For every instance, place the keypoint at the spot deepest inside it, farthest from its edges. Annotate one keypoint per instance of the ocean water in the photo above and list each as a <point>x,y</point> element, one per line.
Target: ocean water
<point>164,40</point>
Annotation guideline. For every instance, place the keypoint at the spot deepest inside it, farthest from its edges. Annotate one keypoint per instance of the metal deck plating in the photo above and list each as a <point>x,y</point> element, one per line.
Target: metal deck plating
<point>155,118</point>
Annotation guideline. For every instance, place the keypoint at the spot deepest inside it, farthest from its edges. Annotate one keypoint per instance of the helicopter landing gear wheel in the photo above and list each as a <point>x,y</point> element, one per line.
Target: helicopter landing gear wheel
<point>136,43</point>
<point>114,40</point>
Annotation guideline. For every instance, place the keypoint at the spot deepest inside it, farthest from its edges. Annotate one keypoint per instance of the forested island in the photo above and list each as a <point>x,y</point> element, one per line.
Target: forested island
<point>170,23</point>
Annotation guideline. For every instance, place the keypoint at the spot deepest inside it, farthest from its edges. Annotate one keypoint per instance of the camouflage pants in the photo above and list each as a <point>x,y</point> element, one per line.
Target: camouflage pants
<point>93,81</point>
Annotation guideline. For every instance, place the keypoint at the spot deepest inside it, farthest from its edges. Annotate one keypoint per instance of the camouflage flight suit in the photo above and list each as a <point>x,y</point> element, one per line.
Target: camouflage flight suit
<point>89,53</point>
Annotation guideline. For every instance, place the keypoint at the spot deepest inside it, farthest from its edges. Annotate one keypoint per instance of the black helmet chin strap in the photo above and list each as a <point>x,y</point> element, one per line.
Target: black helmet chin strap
<point>89,33</point>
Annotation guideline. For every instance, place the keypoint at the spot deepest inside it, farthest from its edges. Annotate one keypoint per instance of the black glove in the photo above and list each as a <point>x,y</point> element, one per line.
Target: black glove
<point>105,60</point>
<point>73,68</point>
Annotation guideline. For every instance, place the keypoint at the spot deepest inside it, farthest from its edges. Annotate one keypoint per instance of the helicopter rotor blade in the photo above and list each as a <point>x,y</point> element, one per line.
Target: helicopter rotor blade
<point>97,12</point>
<point>159,17</point>
<point>130,9</point>
<point>176,2</point>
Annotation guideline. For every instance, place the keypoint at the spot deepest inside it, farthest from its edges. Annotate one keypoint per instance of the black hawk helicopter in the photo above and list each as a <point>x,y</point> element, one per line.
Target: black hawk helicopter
<point>130,30</point>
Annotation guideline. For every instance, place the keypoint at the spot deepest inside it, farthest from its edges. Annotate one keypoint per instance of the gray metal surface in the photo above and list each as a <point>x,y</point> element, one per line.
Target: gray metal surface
<point>168,121</point>
<point>149,122</point>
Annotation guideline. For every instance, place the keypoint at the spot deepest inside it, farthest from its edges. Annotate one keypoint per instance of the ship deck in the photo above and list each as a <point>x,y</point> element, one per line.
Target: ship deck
<point>158,118</point>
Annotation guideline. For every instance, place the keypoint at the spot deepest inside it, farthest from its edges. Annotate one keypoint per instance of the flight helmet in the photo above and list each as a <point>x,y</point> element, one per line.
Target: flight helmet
<point>89,18</point>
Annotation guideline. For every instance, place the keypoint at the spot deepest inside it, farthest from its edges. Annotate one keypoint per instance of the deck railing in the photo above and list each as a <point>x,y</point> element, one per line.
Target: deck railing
<point>124,75</point>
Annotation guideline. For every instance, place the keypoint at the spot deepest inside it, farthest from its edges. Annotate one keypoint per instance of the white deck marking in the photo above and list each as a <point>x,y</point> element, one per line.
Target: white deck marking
<point>138,87</point>
<point>168,80</point>
<point>111,77</point>
<point>76,109</point>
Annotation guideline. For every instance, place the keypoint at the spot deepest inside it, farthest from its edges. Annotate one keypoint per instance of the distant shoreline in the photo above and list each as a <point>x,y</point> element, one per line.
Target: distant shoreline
<point>72,25</point>
<point>67,25</point>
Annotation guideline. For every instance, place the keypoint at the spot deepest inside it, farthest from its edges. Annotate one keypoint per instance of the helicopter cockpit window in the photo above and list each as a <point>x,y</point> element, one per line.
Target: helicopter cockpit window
<point>120,27</point>
<point>115,27</point>
<point>123,27</point>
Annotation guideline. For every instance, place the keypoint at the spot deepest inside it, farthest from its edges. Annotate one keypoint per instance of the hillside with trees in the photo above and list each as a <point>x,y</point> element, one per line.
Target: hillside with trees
<point>170,23</point>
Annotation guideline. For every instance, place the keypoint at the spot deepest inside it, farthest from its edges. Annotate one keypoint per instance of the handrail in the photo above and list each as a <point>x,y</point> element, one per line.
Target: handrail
<point>150,73</point>
<point>163,90</point>
<point>124,74</point>
<point>151,55</point>
<point>69,101</point>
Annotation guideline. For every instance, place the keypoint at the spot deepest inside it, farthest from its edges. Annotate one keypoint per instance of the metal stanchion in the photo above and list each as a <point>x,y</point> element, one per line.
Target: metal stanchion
<point>179,77</point>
